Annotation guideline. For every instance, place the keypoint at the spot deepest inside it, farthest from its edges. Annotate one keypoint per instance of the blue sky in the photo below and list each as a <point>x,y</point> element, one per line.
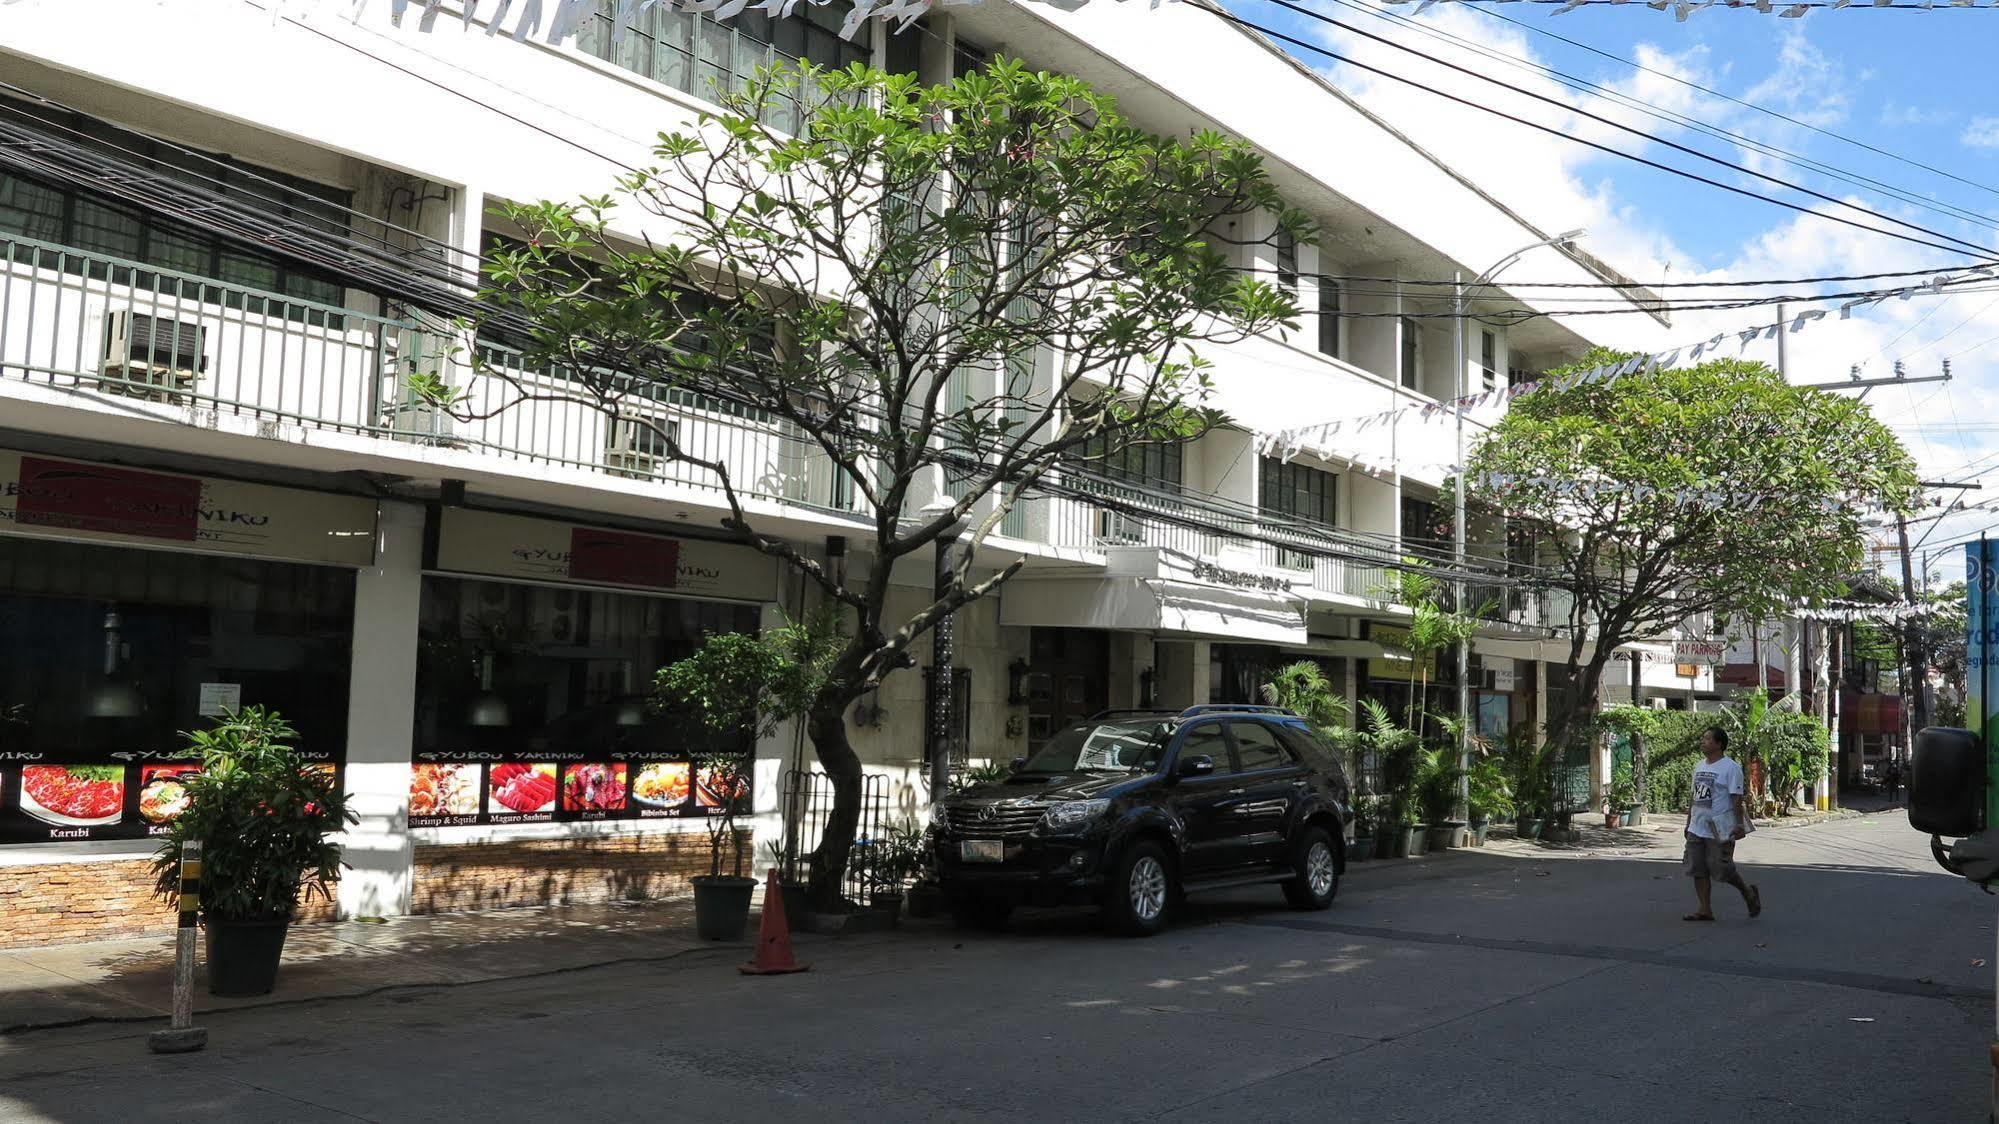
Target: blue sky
<point>1912,83</point>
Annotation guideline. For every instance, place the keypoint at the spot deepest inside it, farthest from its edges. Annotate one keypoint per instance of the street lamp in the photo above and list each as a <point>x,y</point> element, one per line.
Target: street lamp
<point>1461,294</point>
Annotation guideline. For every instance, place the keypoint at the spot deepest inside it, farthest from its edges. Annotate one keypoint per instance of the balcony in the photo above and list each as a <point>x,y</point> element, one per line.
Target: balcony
<point>182,348</point>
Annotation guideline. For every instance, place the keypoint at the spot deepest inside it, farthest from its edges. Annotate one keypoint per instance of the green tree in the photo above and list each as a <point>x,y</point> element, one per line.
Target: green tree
<point>890,281</point>
<point>1683,492</point>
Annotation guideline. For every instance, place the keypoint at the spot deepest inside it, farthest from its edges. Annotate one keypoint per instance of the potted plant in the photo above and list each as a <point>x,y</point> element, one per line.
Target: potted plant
<point>1437,778</point>
<point>1623,795</point>
<point>1361,847</point>
<point>263,816</point>
<point>740,688</point>
<point>788,882</point>
<point>1490,795</point>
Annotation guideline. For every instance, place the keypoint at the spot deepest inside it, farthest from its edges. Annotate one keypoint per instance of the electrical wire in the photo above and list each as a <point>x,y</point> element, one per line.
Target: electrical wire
<point>1494,13</point>
<point>1970,249</point>
<point>1585,86</point>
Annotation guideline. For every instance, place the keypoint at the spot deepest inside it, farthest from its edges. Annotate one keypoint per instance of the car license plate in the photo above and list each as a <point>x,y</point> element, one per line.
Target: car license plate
<point>982,851</point>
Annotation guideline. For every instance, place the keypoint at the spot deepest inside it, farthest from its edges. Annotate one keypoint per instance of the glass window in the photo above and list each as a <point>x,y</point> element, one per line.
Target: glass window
<point>1488,358</point>
<point>1286,245</point>
<point>1411,368</point>
<point>699,54</point>
<point>1153,464</point>
<point>1329,318</point>
<point>1256,747</point>
<point>107,653</point>
<point>99,224</point>
<point>1207,740</point>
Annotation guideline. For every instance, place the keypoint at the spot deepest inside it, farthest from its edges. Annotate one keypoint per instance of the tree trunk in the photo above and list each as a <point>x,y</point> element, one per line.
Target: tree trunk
<point>827,722</point>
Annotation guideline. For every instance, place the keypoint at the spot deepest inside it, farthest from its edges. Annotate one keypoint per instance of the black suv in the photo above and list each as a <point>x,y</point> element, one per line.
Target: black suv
<point>1133,808</point>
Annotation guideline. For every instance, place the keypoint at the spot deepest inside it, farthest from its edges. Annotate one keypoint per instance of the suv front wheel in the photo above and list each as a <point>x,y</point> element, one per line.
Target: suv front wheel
<point>1315,871</point>
<point>1141,888</point>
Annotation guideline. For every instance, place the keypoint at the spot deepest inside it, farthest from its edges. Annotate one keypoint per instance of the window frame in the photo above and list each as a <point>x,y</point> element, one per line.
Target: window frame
<point>1285,758</point>
<point>1284,253</point>
<point>1488,357</point>
<point>1409,355</point>
<point>1332,319</point>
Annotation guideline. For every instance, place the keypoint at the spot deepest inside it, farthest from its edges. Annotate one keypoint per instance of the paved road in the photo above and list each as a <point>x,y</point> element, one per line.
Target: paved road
<point>1488,987</point>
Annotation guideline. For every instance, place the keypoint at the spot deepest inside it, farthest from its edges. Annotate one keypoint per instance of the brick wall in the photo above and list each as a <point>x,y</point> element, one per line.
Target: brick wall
<point>453,877</point>
<point>64,903</point>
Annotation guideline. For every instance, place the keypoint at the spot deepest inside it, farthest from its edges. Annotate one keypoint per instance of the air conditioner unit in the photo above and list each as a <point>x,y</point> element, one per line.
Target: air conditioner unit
<point>1116,528</point>
<point>637,449</point>
<point>152,357</point>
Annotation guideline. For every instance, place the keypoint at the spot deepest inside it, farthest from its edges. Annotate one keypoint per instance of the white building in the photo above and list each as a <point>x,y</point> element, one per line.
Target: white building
<point>215,492</point>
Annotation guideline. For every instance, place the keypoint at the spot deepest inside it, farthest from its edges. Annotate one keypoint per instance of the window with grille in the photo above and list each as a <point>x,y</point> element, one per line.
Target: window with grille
<point>1329,318</point>
<point>1286,245</point>
<point>1411,353</point>
<point>105,226</point>
<point>1147,464</point>
<point>698,54</point>
<point>1299,492</point>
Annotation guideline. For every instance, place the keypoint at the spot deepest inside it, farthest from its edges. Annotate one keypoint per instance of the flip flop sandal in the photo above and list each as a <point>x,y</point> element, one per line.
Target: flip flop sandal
<point>1698,917</point>
<point>1755,900</point>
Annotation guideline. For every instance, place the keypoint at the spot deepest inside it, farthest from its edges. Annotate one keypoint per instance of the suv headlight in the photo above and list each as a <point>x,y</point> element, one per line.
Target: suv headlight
<point>1073,813</point>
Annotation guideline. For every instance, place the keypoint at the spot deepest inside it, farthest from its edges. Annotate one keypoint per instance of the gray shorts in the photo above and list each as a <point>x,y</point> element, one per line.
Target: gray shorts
<point>1711,858</point>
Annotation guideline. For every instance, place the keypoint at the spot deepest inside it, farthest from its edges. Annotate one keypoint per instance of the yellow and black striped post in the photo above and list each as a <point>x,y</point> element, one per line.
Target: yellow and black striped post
<point>183,1036</point>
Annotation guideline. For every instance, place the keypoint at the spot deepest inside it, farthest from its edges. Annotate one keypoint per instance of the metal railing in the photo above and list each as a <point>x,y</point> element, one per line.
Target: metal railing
<point>179,345</point>
<point>185,344</point>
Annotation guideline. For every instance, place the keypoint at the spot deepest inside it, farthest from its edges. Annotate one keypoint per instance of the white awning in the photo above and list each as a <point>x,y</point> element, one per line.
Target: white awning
<point>1159,605</point>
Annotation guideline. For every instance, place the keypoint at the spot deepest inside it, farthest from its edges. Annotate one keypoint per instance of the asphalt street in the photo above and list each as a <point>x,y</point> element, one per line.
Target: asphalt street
<point>1476,987</point>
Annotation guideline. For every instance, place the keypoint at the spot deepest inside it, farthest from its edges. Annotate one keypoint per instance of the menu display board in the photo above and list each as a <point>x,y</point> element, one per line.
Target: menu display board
<point>449,789</point>
<point>139,796</point>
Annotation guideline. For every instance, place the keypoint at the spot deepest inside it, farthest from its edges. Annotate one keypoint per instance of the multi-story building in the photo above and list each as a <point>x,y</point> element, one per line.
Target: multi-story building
<point>216,492</point>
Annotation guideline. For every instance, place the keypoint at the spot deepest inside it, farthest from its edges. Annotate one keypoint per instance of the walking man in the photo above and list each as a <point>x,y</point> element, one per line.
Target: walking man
<point>1718,817</point>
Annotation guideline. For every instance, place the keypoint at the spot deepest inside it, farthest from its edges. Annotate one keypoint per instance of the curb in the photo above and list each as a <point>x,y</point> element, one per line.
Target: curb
<point>364,993</point>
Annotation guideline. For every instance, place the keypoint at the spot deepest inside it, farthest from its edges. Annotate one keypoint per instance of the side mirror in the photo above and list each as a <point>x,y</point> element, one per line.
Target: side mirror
<point>1199,765</point>
<point>1947,782</point>
<point>1019,763</point>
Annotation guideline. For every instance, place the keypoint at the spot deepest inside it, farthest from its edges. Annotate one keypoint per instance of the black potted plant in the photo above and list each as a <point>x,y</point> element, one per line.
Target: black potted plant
<point>263,816</point>
<point>1437,793</point>
<point>741,688</point>
<point>1489,795</point>
<point>1361,847</point>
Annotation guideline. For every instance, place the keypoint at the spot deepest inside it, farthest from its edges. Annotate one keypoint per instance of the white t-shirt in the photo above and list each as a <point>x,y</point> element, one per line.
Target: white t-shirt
<point>1715,788</point>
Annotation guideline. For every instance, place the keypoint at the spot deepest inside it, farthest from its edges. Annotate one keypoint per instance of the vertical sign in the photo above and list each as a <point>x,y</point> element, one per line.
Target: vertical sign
<point>1981,623</point>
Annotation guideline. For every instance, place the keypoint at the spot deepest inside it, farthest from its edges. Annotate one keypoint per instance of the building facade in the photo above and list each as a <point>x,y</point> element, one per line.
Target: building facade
<point>215,491</point>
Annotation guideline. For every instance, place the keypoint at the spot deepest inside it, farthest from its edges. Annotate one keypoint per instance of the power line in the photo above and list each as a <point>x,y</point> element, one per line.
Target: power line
<point>1970,249</point>
<point>1583,85</point>
<point>1784,117</point>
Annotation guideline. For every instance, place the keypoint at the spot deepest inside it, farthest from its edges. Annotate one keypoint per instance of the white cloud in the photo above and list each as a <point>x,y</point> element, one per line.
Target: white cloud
<point>1950,428</point>
<point>1983,132</point>
<point>1897,115</point>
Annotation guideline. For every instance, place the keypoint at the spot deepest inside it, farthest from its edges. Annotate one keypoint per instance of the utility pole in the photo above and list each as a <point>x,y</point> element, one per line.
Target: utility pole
<point>1915,715</point>
<point>1783,365</point>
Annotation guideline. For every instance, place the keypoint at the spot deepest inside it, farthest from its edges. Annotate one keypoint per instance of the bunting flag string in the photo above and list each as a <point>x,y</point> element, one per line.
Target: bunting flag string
<point>1286,444</point>
<point>566,19</point>
<point>1900,611</point>
<point>1506,484</point>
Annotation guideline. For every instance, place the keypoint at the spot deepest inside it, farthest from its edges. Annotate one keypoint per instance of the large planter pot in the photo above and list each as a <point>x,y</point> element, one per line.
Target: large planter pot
<point>1360,848</point>
<point>1478,832</point>
<point>722,906</point>
<point>243,956</point>
<point>1528,827</point>
<point>1628,817</point>
<point>1419,840</point>
<point>1444,836</point>
<point>795,903</point>
<point>1613,818</point>
<point>925,899</point>
<point>1396,845</point>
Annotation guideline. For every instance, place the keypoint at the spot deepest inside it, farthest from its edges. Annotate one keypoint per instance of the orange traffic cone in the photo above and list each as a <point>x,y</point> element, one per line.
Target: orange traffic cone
<point>773,937</point>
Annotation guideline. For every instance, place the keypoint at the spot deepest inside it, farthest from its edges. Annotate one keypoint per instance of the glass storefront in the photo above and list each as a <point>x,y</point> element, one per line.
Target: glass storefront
<point>108,653</point>
<point>532,705</point>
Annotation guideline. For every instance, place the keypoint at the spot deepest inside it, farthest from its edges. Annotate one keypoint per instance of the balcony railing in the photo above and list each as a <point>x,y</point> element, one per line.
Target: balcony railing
<point>183,344</point>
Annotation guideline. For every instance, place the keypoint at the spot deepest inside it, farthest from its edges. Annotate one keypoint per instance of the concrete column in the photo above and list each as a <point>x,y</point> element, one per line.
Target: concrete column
<point>381,718</point>
<point>1203,653</point>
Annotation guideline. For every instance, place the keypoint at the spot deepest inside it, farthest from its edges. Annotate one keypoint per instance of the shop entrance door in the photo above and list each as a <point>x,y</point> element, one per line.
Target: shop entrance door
<point>1068,679</point>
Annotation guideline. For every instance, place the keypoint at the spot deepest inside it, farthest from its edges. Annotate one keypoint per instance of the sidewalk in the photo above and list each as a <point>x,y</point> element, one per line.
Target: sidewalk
<point>132,980</point>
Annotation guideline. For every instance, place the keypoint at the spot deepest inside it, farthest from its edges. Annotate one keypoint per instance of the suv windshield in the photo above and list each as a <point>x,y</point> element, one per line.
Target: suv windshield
<point>1105,747</point>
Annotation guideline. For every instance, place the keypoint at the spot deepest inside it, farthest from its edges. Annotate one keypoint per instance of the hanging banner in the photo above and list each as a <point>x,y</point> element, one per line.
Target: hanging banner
<point>1981,624</point>
<point>519,546</point>
<point>80,500</point>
